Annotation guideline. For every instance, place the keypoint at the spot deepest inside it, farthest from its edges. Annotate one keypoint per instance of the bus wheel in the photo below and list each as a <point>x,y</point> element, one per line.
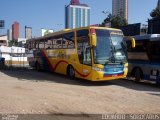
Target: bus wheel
<point>137,75</point>
<point>38,68</point>
<point>70,72</point>
<point>158,83</point>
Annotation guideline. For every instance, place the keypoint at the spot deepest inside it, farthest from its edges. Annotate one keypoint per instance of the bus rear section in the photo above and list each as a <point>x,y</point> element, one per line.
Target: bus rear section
<point>91,53</point>
<point>144,59</point>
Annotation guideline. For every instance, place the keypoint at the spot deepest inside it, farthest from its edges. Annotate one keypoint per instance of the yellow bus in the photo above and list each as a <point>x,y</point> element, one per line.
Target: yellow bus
<point>91,53</point>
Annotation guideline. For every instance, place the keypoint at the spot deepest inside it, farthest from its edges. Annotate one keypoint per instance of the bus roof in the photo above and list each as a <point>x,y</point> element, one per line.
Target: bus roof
<point>147,37</point>
<point>70,30</point>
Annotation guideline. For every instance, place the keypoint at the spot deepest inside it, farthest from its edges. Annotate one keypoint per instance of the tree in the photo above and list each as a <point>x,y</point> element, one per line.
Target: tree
<point>155,13</point>
<point>107,20</point>
<point>116,21</point>
<point>12,43</point>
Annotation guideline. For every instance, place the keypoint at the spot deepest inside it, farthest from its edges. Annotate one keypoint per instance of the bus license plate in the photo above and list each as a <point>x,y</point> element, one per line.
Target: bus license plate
<point>114,75</point>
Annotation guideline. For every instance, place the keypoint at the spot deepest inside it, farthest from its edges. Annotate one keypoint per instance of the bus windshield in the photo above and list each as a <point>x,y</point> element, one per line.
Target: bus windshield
<point>110,47</point>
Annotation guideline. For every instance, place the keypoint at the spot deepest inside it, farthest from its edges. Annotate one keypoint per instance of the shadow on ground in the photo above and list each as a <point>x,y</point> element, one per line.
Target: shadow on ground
<point>32,75</point>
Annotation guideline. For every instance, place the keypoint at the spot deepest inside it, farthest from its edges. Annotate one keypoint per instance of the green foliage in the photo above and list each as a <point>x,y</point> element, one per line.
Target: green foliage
<point>107,20</point>
<point>12,43</point>
<point>116,21</point>
<point>155,13</point>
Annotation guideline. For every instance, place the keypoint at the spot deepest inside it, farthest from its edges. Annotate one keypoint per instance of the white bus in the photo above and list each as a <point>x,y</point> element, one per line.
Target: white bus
<point>144,59</point>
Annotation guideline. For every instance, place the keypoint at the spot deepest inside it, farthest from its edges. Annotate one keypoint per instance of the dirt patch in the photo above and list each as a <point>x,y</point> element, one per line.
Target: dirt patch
<point>55,94</point>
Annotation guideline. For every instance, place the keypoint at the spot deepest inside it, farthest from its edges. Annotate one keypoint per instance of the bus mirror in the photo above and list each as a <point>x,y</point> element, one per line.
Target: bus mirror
<point>93,39</point>
<point>133,43</point>
<point>131,40</point>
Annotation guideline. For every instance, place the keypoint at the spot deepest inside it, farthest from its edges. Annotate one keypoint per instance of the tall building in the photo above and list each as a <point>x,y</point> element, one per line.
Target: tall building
<point>158,5</point>
<point>15,31</point>
<point>120,8</point>
<point>28,32</point>
<point>9,34</point>
<point>77,15</point>
<point>2,22</point>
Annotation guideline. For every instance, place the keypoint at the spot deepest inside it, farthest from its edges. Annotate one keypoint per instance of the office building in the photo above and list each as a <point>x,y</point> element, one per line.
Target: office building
<point>77,15</point>
<point>158,4</point>
<point>15,31</point>
<point>28,32</point>
<point>9,34</point>
<point>2,22</point>
<point>120,8</point>
<point>3,40</point>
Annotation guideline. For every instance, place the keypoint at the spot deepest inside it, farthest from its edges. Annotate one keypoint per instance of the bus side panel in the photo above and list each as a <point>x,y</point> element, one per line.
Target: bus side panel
<point>55,64</point>
<point>59,65</point>
<point>147,70</point>
<point>44,60</point>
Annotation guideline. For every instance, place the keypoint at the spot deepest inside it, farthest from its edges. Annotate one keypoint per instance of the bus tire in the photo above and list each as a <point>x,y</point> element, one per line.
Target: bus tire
<point>38,67</point>
<point>158,83</point>
<point>71,72</point>
<point>137,74</point>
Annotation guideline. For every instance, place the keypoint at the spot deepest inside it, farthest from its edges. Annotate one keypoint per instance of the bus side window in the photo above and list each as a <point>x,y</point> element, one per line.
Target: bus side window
<point>46,44</point>
<point>49,44</point>
<point>59,43</point>
<point>41,44</point>
<point>84,47</point>
<point>154,51</point>
<point>68,40</point>
<point>37,45</point>
<point>54,43</point>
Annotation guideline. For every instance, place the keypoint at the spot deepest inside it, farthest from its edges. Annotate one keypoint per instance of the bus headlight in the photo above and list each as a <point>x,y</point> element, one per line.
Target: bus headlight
<point>125,68</point>
<point>97,69</point>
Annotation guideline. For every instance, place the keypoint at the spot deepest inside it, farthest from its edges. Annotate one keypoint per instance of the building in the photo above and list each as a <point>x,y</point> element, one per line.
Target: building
<point>158,4</point>
<point>28,32</point>
<point>22,42</point>
<point>2,22</point>
<point>120,8</point>
<point>46,31</point>
<point>77,15</point>
<point>9,34</point>
<point>15,31</point>
<point>3,40</point>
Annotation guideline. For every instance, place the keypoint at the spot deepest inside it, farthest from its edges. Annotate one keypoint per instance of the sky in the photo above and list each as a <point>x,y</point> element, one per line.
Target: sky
<point>50,14</point>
